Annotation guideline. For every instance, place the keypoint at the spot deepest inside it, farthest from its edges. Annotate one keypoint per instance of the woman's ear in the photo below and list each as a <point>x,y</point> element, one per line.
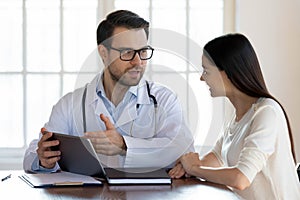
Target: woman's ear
<point>103,52</point>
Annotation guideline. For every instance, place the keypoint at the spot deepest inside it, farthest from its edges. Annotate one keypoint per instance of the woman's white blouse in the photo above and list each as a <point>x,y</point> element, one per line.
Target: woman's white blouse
<point>259,146</point>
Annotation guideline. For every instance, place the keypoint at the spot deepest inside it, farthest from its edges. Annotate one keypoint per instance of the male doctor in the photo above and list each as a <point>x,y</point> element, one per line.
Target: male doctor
<point>131,122</point>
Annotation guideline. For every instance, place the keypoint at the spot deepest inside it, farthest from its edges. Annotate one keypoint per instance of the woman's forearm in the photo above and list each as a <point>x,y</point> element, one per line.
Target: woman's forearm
<point>232,177</point>
<point>210,160</point>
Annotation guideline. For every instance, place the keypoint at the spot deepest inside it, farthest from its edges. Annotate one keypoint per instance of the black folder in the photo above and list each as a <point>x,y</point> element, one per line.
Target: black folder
<point>133,176</point>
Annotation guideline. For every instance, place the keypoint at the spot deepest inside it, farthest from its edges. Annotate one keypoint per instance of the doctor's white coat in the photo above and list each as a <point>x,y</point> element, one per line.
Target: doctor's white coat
<point>153,139</point>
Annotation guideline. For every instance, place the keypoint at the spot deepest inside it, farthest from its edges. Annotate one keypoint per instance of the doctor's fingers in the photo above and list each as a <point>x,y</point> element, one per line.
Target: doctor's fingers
<point>107,122</point>
<point>44,144</point>
<point>49,162</point>
<point>96,134</point>
<point>48,158</point>
<point>112,137</point>
<point>106,149</point>
<point>47,154</point>
<point>46,140</point>
<point>111,134</point>
<point>46,136</point>
<point>101,141</point>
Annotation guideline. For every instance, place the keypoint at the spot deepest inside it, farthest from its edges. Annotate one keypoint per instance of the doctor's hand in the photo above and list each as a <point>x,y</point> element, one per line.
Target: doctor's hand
<point>47,157</point>
<point>108,142</point>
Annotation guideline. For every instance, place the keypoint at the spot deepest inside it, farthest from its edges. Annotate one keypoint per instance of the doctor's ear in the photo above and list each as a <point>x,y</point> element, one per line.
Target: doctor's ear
<point>103,52</point>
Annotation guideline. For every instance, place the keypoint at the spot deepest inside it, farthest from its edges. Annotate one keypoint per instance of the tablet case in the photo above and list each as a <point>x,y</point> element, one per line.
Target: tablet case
<point>78,155</point>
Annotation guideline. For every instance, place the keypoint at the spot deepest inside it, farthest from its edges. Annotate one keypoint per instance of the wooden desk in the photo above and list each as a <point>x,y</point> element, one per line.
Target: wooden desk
<point>15,188</point>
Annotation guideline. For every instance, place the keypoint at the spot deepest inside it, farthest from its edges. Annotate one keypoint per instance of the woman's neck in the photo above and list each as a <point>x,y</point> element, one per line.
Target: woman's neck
<point>242,104</point>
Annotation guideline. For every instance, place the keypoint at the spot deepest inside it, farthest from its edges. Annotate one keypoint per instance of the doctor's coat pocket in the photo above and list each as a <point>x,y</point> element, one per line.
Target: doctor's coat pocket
<point>143,127</point>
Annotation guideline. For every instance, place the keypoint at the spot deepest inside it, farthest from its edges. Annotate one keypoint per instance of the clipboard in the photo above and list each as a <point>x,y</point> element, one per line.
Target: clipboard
<point>58,179</point>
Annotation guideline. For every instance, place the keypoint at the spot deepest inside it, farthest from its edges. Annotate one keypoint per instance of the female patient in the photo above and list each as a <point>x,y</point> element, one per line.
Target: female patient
<point>254,156</point>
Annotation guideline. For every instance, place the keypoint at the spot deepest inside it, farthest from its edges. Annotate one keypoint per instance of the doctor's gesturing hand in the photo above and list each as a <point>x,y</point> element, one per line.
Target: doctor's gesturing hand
<point>108,142</point>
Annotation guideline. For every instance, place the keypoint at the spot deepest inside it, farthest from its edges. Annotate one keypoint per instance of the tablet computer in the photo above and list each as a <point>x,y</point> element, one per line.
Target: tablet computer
<point>78,155</point>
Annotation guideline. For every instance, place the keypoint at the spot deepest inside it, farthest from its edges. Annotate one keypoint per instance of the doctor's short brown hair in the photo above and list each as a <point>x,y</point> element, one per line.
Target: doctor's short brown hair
<point>119,18</point>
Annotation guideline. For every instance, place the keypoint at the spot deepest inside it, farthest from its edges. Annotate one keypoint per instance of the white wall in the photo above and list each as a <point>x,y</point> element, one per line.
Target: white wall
<point>273,27</point>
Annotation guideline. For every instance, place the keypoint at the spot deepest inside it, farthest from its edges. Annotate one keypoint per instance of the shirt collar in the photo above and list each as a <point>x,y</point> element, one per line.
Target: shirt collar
<point>142,94</point>
<point>91,87</point>
<point>100,87</point>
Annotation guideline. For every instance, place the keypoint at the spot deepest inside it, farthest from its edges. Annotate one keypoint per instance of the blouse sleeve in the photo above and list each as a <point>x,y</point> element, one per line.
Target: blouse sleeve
<point>260,143</point>
<point>217,150</point>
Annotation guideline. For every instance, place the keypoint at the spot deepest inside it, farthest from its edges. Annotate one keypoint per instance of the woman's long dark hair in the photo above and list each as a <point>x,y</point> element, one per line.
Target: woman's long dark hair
<point>234,54</point>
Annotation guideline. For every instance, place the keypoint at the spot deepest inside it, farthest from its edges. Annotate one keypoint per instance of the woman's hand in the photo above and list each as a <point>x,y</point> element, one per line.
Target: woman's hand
<point>189,161</point>
<point>177,171</point>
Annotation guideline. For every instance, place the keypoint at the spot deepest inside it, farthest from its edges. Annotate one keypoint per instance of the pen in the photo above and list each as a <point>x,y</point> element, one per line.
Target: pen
<point>5,178</point>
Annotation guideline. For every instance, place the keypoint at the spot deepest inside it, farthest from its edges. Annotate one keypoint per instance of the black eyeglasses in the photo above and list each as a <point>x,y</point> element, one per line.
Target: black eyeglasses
<point>127,54</point>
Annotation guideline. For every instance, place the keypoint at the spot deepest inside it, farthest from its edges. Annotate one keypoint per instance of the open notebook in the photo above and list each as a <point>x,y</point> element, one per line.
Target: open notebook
<point>78,156</point>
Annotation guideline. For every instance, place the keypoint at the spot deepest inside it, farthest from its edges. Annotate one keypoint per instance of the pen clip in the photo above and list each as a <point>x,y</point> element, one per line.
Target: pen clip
<point>68,183</point>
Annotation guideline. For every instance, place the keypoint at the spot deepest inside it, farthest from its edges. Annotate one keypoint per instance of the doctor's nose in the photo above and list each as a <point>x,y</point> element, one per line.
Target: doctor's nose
<point>136,60</point>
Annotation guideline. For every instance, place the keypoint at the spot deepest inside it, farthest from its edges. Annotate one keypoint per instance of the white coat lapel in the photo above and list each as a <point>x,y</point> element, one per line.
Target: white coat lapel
<point>129,114</point>
<point>95,101</point>
<point>95,105</point>
<point>101,109</point>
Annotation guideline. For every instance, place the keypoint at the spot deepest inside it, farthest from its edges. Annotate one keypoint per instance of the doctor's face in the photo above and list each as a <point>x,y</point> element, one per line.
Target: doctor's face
<point>128,72</point>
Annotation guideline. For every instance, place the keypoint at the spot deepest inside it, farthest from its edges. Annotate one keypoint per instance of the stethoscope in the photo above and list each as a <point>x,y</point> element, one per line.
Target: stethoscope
<point>137,107</point>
